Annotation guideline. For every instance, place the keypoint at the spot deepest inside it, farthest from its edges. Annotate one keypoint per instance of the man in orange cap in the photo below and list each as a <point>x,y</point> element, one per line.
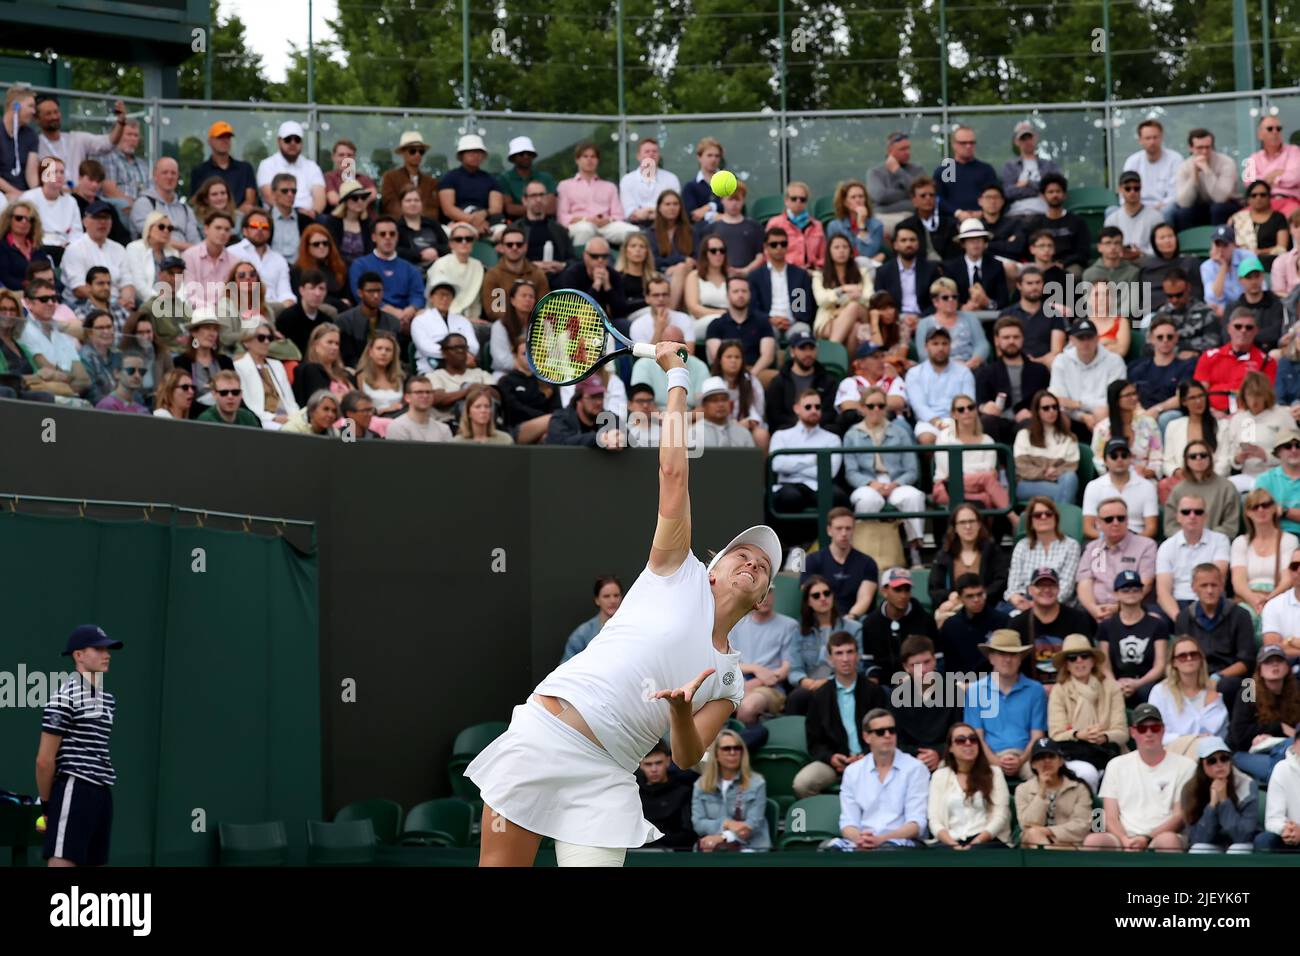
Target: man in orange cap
<point>238,175</point>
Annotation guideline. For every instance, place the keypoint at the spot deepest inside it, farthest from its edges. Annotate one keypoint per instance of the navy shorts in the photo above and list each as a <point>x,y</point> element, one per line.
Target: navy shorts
<point>78,821</point>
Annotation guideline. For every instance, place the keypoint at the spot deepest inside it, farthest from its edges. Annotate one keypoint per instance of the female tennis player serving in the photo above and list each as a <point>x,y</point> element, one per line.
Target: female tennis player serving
<point>565,767</point>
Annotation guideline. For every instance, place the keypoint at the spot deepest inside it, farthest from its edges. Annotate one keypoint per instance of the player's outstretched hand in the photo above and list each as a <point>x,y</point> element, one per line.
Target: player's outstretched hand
<point>667,357</point>
<point>681,697</point>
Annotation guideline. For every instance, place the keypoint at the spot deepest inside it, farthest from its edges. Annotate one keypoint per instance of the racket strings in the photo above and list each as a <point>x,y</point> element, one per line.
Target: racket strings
<point>566,338</point>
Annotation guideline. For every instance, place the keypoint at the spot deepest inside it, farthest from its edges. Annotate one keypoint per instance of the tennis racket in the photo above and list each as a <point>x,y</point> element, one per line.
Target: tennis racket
<point>566,338</point>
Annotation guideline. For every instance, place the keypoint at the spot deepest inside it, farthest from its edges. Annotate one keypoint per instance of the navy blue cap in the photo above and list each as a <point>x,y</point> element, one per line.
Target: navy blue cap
<point>1223,233</point>
<point>1127,579</point>
<point>866,349</point>
<point>98,208</point>
<point>171,262</point>
<point>801,338</point>
<point>89,635</point>
<point>1045,745</point>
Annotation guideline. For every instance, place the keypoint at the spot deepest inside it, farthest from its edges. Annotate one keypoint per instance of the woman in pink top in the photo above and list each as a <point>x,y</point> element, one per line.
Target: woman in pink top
<point>1278,164</point>
<point>1285,274</point>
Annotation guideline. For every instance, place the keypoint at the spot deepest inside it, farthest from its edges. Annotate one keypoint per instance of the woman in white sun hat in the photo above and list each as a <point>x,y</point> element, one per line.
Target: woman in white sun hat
<point>565,767</point>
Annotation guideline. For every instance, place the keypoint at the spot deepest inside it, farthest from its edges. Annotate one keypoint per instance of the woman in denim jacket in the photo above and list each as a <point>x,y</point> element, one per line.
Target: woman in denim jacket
<point>729,804</point>
<point>886,476</point>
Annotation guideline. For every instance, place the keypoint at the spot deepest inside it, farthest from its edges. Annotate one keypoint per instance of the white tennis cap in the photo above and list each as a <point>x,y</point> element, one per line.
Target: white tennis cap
<point>763,538</point>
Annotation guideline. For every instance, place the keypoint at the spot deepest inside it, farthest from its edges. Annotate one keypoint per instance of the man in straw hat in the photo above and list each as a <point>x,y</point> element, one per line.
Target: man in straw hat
<point>411,147</point>
<point>1007,709</point>
<point>1141,791</point>
<point>981,280</point>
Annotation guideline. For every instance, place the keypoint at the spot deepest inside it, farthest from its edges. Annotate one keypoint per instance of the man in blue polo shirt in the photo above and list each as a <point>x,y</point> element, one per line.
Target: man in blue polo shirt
<point>1007,709</point>
<point>73,771</point>
<point>756,335</point>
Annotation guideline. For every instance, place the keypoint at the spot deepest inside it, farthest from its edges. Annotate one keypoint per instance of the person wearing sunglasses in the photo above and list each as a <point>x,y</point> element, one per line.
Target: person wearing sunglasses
<point>1219,803</point>
<point>348,221</point>
<point>705,292</point>
<point>309,181</point>
<point>410,148</point>
<point>144,256</point>
<point>980,470</point>
<point>855,222</point>
<point>404,285</point>
<point>1206,189</point>
<point>266,389</point>
<point>272,265</point>
<point>1219,276</point>
<point>801,372</point>
<point>175,396</point>
<point>1134,641</point>
<point>884,796</point>
<point>1053,807</point>
<point>239,176</point>
<point>1192,706</point>
<point>729,801</point>
<point>969,804</point>
<point>1264,722</point>
<point>1134,219</point>
<point>795,489</point>
<point>99,355</point>
<point>227,407</point>
<point>1255,431</point>
<point>743,236</point>
<point>819,620</point>
<point>129,376</point>
<point>21,241</point>
<point>1264,305</point>
<point>1262,557</point>
<point>595,275</point>
<point>882,476</point>
<point>202,358</point>
<point>806,236</point>
<point>1043,546</point>
<point>782,292</point>
<point>1085,711</point>
<point>1277,163</point>
<point>1192,546</point>
<point>1126,419</point>
<point>1222,502</point>
<point>511,269</point>
<point>1260,228</point>
<point>1199,328</point>
<point>1046,451</point>
<point>1160,378</point>
<point>163,196</point>
<point>1142,791</point>
<point>438,321</point>
<point>1167,256</point>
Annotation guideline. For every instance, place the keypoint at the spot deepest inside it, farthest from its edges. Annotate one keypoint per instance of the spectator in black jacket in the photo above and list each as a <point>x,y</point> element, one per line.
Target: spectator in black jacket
<point>910,257</point>
<point>798,308</point>
<point>582,422</point>
<point>981,280</point>
<point>1227,638</point>
<point>1001,418</point>
<point>937,230</point>
<point>917,702</point>
<point>897,618</point>
<point>527,401</point>
<point>801,371</point>
<point>969,545</point>
<point>832,743</point>
<point>666,800</point>
<point>1270,709</point>
<point>420,239</point>
<point>1007,235</point>
<point>1073,240</point>
<point>597,277</point>
<point>961,634</point>
<point>541,229</point>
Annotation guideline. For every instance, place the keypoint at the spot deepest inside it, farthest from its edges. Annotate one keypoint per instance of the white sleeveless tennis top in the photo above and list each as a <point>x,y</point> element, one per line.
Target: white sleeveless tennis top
<point>660,638</point>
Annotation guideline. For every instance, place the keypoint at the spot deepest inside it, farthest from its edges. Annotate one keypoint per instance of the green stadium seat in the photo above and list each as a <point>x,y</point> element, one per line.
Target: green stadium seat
<point>765,207</point>
<point>787,735</point>
<point>485,253</point>
<point>1195,241</point>
<point>773,818</point>
<point>1087,467</point>
<point>1136,344</point>
<point>253,844</point>
<point>734,724</point>
<point>1071,523</point>
<point>384,816</point>
<point>921,587</point>
<point>466,747</point>
<point>778,770</point>
<point>788,595</point>
<point>442,822</point>
<point>1091,199</point>
<point>810,821</point>
<point>824,209</point>
<point>834,356</point>
<point>341,844</point>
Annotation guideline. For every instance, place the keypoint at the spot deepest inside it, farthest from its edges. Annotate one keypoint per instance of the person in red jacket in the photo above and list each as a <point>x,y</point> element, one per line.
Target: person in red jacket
<point>1222,370</point>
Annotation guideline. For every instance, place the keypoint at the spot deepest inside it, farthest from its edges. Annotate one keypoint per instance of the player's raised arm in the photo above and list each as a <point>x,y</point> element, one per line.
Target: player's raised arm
<point>672,538</point>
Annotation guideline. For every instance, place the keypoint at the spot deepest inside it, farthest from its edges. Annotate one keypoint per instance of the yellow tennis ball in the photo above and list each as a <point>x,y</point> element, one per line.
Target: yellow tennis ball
<point>40,824</point>
<point>723,183</point>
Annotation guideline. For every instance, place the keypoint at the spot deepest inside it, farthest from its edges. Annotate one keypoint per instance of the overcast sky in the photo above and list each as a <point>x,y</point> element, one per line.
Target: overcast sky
<point>273,26</point>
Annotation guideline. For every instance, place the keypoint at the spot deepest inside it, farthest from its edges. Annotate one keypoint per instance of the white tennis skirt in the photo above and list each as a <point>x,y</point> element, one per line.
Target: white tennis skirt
<point>547,777</point>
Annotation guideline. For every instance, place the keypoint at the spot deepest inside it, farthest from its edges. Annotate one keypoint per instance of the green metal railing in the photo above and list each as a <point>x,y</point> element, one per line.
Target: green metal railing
<point>825,480</point>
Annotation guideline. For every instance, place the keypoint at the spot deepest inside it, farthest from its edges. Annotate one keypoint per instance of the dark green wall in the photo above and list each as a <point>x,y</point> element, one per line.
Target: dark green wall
<point>410,607</point>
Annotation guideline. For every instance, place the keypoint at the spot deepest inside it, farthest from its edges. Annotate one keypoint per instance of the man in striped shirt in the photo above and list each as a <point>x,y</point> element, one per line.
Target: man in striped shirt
<point>73,772</point>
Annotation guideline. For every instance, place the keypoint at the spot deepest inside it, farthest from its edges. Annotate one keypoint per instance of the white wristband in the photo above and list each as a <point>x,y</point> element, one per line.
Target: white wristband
<point>679,378</point>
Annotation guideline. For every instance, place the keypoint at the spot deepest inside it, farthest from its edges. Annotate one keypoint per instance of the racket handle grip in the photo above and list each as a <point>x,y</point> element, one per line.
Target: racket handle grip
<point>647,350</point>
